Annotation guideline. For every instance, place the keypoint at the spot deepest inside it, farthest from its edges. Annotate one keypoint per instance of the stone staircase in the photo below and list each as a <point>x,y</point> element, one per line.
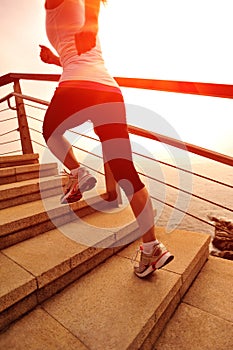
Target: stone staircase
<point>66,279</point>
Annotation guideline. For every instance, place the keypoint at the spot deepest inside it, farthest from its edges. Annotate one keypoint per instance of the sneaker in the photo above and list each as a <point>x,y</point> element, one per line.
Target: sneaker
<point>80,180</point>
<point>148,263</point>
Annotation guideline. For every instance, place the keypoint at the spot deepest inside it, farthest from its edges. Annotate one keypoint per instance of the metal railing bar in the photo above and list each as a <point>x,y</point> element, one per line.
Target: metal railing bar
<point>19,150</point>
<point>184,87</point>
<point>5,98</point>
<point>34,118</point>
<point>8,132</point>
<point>38,143</point>
<point>187,192</point>
<point>4,110</point>
<point>162,162</point>
<point>196,88</point>
<point>11,77</point>
<point>228,159</point>
<point>152,178</point>
<point>89,167</point>
<point>185,170</point>
<point>93,154</point>
<point>87,136</point>
<point>38,131</point>
<point>5,143</point>
<point>219,157</point>
<point>160,181</point>
<point>13,108</point>
<point>187,213</point>
<point>37,107</point>
<point>6,120</point>
<point>26,97</point>
<point>30,98</point>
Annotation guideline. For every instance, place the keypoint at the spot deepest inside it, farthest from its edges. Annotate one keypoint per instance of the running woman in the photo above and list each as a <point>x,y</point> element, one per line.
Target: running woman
<point>86,91</point>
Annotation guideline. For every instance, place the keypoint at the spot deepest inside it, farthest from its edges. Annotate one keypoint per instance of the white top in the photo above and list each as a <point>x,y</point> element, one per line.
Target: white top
<point>62,23</point>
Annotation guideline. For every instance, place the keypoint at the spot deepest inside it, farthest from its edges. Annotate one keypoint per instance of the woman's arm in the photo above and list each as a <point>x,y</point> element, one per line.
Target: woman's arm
<point>86,39</point>
<point>48,56</point>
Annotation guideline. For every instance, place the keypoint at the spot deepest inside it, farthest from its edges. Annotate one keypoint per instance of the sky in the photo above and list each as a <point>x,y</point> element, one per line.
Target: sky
<point>187,40</point>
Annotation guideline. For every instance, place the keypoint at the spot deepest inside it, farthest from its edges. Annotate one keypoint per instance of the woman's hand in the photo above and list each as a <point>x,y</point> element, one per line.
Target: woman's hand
<point>85,40</point>
<point>48,56</point>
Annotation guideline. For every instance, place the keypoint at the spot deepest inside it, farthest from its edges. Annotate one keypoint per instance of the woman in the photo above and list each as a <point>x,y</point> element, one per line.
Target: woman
<point>87,91</point>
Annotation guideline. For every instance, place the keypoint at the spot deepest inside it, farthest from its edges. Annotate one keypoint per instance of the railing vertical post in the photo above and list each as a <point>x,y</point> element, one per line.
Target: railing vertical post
<point>22,121</point>
<point>112,188</point>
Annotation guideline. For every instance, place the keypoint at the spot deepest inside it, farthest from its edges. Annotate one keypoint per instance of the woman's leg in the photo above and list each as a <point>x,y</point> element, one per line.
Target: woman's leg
<point>63,150</point>
<point>143,211</point>
<point>63,105</point>
<point>117,151</point>
<point>64,113</point>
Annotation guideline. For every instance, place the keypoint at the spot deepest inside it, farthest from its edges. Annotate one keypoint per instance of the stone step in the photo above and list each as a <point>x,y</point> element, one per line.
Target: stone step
<point>33,270</point>
<point>31,219</point>
<point>22,159</point>
<point>25,172</point>
<point>204,319</point>
<point>17,193</point>
<point>110,308</point>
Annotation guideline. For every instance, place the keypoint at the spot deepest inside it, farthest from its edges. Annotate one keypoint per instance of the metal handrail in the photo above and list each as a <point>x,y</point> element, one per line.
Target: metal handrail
<point>25,97</point>
<point>221,158</point>
<point>12,77</point>
<point>180,87</point>
<point>184,87</point>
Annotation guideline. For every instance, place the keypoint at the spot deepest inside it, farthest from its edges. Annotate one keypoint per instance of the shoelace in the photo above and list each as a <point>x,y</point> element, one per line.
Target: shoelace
<point>140,249</point>
<point>70,176</point>
<point>134,257</point>
<point>64,172</point>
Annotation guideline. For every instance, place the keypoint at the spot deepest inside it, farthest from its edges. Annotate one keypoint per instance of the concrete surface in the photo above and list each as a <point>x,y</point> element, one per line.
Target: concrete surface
<point>204,320</point>
<point>110,308</point>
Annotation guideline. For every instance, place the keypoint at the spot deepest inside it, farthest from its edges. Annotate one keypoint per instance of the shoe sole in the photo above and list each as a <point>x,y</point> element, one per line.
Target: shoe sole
<point>65,199</point>
<point>163,260</point>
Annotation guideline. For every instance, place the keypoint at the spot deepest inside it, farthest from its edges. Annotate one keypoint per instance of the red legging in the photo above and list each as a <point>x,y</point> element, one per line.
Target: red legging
<point>72,106</point>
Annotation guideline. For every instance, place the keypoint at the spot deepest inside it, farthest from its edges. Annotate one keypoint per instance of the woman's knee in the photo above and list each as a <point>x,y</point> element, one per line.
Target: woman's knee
<point>46,134</point>
<point>126,175</point>
<point>107,132</point>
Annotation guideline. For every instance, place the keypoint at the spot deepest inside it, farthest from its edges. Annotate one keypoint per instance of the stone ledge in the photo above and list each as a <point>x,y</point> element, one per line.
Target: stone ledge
<point>53,336</point>
<point>22,159</point>
<point>50,262</point>
<point>196,329</point>
<point>112,313</point>
<point>212,291</point>
<point>17,225</point>
<point>15,283</point>
<point>17,193</point>
<point>26,172</point>
<point>126,323</point>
